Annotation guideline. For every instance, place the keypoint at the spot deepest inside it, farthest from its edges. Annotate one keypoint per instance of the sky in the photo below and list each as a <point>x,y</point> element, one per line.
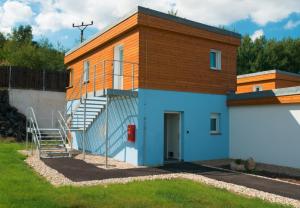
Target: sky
<point>53,19</point>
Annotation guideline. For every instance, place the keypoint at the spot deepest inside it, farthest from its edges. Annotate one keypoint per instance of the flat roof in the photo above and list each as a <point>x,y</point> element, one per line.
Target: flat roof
<point>267,72</point>
<point>162,15</point>
<point>264,94</point>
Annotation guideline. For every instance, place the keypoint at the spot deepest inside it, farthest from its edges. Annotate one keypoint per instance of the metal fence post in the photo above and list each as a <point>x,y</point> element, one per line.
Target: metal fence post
<point>9,78</point>
<point>44,80</point>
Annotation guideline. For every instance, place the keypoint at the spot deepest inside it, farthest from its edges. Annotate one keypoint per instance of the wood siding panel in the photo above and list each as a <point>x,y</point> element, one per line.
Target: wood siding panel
<point>267,81</point>
<point>266,85</point>
<point>179,62</point>
<point>130,43</point>
<point>286,99</point>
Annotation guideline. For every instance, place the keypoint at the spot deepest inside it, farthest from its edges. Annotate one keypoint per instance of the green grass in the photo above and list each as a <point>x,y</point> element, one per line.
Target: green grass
<point>22,187</point>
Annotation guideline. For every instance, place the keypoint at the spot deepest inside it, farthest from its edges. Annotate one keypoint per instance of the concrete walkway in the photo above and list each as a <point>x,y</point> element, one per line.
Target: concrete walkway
<point>78,170</point>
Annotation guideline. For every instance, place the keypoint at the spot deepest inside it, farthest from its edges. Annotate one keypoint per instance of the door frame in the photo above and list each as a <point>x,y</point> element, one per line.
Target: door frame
<point>179,113</point>
<point>118,77</point>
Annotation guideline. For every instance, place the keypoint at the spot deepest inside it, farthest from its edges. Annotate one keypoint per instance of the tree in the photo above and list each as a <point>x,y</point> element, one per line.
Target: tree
<point>22,34</point>
<point>19,49</point>
<point>263,54</point>
<point>172,11</point>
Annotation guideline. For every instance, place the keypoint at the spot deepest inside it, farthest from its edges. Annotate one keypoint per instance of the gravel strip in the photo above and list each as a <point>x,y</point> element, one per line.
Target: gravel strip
<point>57,179</point>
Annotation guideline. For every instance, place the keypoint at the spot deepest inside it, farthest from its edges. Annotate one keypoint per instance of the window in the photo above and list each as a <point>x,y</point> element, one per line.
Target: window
<point>215,123</point>
<point>215,59</point>
<point>70,73</point>
<point>257,88</point>
<point>86,68</point>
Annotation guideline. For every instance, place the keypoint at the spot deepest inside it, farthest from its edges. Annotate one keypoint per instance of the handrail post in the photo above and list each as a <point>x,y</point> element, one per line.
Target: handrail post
<point>84,130</point>
<point>27,136</point>
<point>106,133</point>
<point>94,81</point>
<point>132,77</point>
<point>104,80</point>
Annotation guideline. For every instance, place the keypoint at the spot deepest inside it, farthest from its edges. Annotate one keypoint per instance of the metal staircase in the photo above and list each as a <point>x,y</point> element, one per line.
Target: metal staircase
<point>87,111</point>
<point>94,96</point>
<point>49,142</point>
<point>84,107</point>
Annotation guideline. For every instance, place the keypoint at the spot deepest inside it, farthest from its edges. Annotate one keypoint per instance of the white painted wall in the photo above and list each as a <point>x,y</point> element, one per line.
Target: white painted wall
<point>268,133</point>
<point>43,103</point>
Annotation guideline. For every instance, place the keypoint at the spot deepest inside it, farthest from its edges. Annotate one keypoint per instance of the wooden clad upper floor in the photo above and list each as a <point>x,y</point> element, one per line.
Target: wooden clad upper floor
<point>159,51</point>
<point>266,80</point>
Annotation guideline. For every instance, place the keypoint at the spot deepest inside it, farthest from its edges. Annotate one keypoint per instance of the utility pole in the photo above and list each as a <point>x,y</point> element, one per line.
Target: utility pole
<point>82,27</point>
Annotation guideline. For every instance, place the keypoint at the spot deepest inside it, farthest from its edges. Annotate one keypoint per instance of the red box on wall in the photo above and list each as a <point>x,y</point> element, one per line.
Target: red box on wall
<point>131,133</point>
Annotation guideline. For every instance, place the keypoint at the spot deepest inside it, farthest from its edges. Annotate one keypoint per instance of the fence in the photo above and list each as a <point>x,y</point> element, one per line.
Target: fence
<point>23,78</point>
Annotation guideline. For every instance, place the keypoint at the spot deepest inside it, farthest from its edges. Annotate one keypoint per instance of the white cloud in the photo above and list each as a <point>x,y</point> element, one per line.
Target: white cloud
<point>257,34</point>
<point>55,15</point>
<point>12,13</point>
<point>292,24</point>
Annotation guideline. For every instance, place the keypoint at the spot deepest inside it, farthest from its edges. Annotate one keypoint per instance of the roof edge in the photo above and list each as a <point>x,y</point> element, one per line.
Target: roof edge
<point>152,12</point>
<point>188,22</point>
<point>264,94</point>
<point>273,71</point>
<point>104,30</point>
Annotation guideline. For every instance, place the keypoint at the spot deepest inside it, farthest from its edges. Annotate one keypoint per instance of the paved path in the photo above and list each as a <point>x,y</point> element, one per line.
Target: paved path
<point>78,170</point>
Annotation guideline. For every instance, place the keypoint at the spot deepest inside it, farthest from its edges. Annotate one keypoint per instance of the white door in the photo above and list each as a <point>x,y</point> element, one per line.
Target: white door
<point>172,136</point>
<point>118,68</point>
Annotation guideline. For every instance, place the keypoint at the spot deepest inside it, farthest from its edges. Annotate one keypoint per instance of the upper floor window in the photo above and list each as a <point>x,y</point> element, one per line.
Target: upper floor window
<point>71,75</point>
<point>215,123</point>
<point>215,59</point>
<point>86,71</point>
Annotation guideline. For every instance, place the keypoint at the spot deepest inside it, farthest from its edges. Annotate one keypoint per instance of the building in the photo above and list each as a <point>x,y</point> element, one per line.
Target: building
<point>266,80</point>
<point>265,125</point>
<point>162,78</point>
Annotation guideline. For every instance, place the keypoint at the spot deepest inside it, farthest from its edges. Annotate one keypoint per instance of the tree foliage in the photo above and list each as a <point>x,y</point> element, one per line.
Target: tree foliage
<point>263,54</point>
<point>19,49</point>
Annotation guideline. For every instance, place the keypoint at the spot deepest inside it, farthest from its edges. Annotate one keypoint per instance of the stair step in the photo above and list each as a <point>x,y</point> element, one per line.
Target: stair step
<point>51,136</point>
<point>87,113</point>
<point>51,141</point>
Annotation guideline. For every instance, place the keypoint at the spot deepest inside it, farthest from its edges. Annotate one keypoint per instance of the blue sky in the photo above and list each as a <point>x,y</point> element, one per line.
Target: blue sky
<point>53,18</point>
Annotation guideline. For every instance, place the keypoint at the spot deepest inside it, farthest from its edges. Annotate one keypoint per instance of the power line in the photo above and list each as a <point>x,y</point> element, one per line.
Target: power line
<point>82,27</point>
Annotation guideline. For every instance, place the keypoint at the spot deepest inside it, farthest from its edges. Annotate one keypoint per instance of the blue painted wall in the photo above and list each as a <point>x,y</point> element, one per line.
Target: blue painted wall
<point>122,112</point>
<point>147,112</point>
<point>195,110</point>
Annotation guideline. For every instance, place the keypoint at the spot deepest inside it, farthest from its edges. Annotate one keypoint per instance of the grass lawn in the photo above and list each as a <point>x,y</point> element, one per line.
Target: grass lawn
<point>21,187</point>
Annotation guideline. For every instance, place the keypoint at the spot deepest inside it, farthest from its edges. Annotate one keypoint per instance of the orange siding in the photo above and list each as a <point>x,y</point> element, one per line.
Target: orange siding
<point>171,56</point>
<point>179,60</point>
<point>286,99</point>
<point>284,80</point>
<point>131,51</point>
<point>267,81</point>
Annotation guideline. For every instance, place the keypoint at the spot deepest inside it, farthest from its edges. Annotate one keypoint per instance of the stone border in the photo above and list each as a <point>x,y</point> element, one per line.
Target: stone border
<point>57,179</point>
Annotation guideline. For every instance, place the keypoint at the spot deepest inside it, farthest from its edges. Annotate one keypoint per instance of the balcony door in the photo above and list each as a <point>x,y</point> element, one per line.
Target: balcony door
<point>118,68</point>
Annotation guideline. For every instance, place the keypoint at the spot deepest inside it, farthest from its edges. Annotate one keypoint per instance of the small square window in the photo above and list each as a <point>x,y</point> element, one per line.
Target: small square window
<point>257,88</point>
<point>86,68</point>
<point>215,59</point>
<point>215,123</point>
